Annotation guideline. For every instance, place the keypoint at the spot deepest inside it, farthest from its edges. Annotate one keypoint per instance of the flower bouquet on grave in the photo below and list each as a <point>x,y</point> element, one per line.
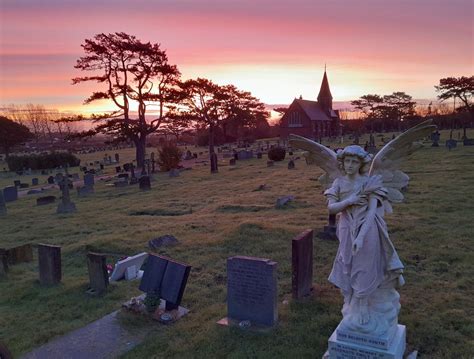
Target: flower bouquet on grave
<point>152,301</point>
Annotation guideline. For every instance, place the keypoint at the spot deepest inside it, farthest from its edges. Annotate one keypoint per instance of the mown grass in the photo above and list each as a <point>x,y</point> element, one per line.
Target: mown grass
<point>217,216</point>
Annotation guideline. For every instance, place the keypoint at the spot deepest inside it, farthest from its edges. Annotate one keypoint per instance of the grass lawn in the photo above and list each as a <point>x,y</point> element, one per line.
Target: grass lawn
<point>221,215</point>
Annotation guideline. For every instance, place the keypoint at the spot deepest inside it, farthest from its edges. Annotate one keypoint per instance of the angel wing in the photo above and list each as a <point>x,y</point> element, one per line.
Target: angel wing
<point>387,161</point>
<point>319,155</point>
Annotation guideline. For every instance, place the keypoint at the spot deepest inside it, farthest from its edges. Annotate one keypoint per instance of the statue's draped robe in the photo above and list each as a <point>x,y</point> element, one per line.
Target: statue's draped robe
<point>377,261</point>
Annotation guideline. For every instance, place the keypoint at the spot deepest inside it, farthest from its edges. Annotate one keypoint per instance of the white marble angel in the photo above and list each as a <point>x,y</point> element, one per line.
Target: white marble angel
<point>367,268</point>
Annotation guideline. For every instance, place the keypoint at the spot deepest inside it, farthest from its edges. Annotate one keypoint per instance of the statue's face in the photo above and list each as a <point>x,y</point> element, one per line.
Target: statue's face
<point>352,164</point>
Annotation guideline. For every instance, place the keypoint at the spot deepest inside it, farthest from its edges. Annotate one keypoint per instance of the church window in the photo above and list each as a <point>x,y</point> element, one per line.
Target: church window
<point>294,119</point>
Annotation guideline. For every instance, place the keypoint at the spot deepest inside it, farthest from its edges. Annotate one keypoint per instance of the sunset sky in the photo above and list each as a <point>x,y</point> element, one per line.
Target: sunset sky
<point>275,49</point>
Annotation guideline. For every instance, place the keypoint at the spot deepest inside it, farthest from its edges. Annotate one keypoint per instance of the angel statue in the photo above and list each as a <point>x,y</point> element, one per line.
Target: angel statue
<point>367,268</point>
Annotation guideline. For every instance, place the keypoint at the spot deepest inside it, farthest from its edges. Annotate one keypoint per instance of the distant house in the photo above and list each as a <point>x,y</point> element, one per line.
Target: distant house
<point>312,119</point>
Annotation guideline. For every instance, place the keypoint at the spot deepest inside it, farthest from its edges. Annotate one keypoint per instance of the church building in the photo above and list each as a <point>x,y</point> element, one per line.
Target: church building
<point>312,119</point>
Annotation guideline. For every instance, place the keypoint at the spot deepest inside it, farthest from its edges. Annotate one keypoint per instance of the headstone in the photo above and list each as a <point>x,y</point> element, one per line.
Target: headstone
<point>259,155</point>
<point>41,201</point>
<point>126,167</point>
<point>302,264</point>
<point>144,183</point>
<point>174,172</point>
<point>24,185</point>
<point>85,191</point>
<point>50,180</point>
<point>89,179</point>
<point>329,231</point>
<point>17,183</point>
<point>291,165</point>
<point>3,264</point>
<point>118,169</point>
<point>435,136</point>
<point>34,181</point>
<point>10,193</point>
<point>66,205</point>
<point>269,163</point>
<point>451,144</point>
<point>232,162</point>
<point>49,258</point>
<point>282,201</point>
<point>3,207</point>
<point>162,241</point>
<point>468,142</point>
<point>98,276</point>
<point>19,254</point>
<point>167,278</point>
<point>252,290</point>
<point>122,265</point>
<point>117,157</point>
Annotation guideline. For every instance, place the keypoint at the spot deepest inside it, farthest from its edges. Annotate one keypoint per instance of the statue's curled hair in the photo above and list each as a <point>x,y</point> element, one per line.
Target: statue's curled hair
<point>357,151</point>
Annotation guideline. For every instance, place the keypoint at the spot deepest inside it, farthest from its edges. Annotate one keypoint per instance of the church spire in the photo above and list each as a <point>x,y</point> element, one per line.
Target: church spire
<point>325,97</point>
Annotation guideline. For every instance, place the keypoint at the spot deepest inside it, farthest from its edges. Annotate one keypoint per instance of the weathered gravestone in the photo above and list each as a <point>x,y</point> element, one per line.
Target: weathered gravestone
<point>3,206</point>
<point>49,259</point>
<point>50,180</point>
<point>259,155</point>
<point>41,201</point>
<point>89,179</point>
<point>17,183</point>
<point>3,264</point>
<point>302,264</point>
<point>34,181</point>
<point>10,193</point>
<point>232,162</point>
<point>98,276</point>
<point>144,183</point>
<point>291,165</point>
<point>174,172</point>
<point>18,254</point>
<point>166,278</point>
<point>468,142</point>
<point>117,157</point>
<point>66,205</point>
<point>84,191</point>
<point>251,291</point>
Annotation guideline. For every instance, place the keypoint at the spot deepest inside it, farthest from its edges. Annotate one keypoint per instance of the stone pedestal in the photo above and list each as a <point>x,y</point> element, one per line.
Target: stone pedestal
<point>345,344</point>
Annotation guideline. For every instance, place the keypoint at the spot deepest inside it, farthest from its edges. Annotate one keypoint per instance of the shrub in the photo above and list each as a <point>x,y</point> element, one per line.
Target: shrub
<point>276,154</point>
<point>42,161</point>
<point>169,156</point>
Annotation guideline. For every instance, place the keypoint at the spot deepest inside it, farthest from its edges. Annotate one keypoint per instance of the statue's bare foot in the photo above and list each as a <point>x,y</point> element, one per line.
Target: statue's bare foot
<point>364,315</point>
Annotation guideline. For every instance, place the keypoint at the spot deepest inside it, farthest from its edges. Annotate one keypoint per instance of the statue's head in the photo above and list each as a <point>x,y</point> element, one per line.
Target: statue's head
<point>354,156</point>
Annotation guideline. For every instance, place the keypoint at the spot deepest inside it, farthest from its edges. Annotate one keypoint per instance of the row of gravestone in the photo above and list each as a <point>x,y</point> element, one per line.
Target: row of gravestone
<point>252,289</point>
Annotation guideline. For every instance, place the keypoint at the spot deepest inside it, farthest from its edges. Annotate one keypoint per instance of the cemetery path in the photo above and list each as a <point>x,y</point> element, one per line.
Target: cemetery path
<point>104,338</point>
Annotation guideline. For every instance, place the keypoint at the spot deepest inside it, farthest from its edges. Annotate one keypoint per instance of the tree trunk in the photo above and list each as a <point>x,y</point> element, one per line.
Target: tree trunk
<point>140,146</point>
<point>212,155</point>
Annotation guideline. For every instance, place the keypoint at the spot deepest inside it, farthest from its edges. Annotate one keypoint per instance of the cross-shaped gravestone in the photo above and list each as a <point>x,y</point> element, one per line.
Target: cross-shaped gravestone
<point>66,205</point>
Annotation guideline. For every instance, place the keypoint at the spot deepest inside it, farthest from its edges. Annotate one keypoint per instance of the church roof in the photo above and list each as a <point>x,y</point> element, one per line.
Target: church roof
<point>324,91</point>
<point>313,110</point>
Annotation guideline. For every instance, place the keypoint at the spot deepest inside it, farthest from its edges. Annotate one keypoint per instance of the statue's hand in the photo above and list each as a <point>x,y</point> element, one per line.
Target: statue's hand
<point>357,245</point>
<point>356,199</point>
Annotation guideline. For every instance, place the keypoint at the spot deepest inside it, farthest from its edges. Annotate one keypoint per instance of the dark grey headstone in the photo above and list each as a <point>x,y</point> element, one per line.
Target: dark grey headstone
<point>166,277</point>
<point>84,191</point>
<point>41,201</point>
<point>34,181</point>
<point>98,276</point>
<point>302,264</point>
<point>49,258</point>
<point>17,183</point>
<point>155,267</point>
<point>232,162</point>
<point>89,179</point>
<point>252,290</point>
<point>162,241</point>
<point>50,180</point>
<point>291,165</point>
<point>144,183</point>
<point>468,142</point>
<point>3,207</point>
<point>174,282</point>
<point>10,193</point>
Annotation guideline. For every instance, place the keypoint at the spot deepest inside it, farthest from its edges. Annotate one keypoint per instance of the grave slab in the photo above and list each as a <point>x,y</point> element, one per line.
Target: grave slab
<point>104,338</point>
